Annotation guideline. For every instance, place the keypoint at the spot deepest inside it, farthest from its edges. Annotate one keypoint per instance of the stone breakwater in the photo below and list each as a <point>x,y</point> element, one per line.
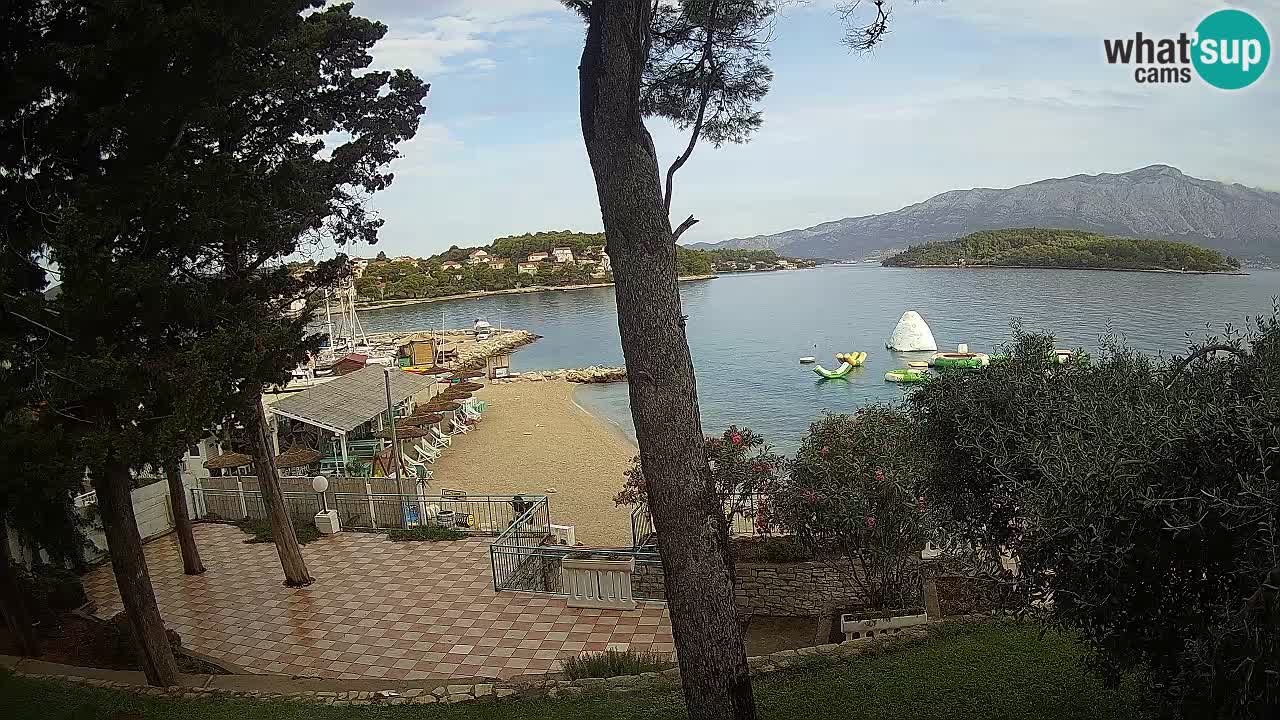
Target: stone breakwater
<point>593,374</point>
<point>472,355</point>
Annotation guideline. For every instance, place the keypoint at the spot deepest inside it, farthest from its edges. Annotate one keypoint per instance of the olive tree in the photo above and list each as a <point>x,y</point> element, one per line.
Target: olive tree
<point>1139,497</point>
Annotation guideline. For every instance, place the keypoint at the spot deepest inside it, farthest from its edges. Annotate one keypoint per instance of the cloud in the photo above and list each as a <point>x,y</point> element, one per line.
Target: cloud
<point>431,152</point>
<point>1091,18</point>
<point>435,40</point>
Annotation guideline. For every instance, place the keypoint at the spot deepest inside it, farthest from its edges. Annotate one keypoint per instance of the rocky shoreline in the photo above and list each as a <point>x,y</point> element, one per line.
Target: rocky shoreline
<point>364,305</point>
<point>587,375</point>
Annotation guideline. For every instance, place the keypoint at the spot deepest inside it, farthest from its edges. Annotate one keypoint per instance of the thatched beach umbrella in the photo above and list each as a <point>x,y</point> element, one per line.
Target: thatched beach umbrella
<point>416,420</point>
<point>439,405</point>
<point>228,460</point>
<point>453,396</point>
<point>465,387</point>
<point>297,457</point>
<point>403,433</point>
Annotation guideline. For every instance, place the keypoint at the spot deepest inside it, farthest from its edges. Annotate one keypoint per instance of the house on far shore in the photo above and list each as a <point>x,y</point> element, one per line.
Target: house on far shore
<point>594,251</point>
<point>358,266</point>
<point>563,254</point>
<point>406,258</point>
<point>604,262</point>
<point>479,257</point>
<point>529,268</point>
<point>784,264</point>
<point>450,265</point>
<point>538,257</point>
<point>498,263</point>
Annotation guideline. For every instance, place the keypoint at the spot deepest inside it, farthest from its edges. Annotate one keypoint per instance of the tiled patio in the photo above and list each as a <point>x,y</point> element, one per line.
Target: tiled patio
<point>411,611</point>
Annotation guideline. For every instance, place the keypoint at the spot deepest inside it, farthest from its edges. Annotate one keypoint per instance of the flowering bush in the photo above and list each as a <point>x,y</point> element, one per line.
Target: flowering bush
<point>743,467</point>
<point>851,491</point>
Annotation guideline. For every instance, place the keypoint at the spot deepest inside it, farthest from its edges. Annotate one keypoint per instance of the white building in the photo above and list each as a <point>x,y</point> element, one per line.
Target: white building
<point>563,254</point>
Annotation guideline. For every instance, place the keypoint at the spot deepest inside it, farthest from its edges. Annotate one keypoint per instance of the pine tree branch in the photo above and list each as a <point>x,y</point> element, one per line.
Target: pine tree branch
<point>704,62</point>
<point>688,223</point>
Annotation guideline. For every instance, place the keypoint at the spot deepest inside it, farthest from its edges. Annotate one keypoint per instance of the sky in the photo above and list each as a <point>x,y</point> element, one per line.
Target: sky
<point>961,94</point>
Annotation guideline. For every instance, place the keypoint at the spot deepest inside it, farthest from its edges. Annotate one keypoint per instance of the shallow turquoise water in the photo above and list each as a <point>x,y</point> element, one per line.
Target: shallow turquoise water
<point>747,332</point>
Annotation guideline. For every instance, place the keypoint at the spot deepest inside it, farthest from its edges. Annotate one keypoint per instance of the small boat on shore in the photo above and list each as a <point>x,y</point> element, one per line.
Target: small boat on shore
<point>808,360</point>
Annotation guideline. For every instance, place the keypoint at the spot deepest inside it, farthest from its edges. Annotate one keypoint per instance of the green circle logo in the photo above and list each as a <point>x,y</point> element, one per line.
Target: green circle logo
<point>1232,49</point>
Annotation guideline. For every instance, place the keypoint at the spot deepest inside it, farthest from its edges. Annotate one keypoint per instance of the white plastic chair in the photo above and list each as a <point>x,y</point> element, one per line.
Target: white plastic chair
<point>419,471</point>
<point>440,439</point>
<point>459,428</point>
<point>425,454</point>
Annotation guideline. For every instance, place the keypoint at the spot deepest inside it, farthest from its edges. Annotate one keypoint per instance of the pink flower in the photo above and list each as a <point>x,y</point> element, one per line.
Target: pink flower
<point>809,497</point>
<point>870,521</point>
<point>921,503</point>
<point>824,450</point>
<point>880,476</point>
<point>736,439</point>
<point>758,467</point>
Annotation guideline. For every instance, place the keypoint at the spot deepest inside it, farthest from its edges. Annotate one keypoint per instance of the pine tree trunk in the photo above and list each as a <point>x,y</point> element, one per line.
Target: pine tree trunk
<point>264,462</point>
<point>13,605</point>
<point>112,483</point>
<point>692,534</point>
<point>191,563</point>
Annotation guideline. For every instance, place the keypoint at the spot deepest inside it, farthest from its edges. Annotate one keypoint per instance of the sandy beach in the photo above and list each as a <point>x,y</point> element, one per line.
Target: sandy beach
<point>534,437</point>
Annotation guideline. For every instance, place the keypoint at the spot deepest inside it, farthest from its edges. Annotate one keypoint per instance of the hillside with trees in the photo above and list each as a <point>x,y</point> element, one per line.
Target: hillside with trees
<point>507,263</point>
<point>745,260</point>
<point>1037,247</point>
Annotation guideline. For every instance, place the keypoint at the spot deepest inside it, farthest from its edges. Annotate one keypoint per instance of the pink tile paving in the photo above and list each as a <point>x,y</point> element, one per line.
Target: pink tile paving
<point>404,611</point>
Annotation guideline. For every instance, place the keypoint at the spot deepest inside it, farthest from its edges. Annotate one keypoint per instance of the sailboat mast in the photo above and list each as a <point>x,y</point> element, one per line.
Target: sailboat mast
<point>328,318</point>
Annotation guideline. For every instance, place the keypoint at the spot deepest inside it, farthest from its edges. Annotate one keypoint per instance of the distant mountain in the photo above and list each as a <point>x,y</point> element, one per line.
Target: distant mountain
<point>1153,202</point>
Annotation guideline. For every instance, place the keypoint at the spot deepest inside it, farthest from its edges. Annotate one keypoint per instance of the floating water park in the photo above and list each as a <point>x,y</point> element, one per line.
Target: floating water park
<point>848,361</point>
<point>912,335</point>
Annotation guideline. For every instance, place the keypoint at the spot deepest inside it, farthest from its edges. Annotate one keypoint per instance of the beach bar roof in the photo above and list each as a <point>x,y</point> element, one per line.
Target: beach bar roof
<point>228,460</point>
<point>347,402</point>
<point>297,457</point>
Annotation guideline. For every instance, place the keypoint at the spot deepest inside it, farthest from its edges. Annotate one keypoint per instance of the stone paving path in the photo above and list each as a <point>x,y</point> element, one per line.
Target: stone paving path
<point>378,609</point>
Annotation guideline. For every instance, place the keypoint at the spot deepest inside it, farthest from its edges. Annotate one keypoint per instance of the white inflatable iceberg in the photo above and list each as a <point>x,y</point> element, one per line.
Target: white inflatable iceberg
<point>911,335</point>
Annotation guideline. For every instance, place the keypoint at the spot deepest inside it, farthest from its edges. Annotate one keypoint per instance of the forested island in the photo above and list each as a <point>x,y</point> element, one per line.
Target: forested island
<point>560,258</point>
<point>1049,248</point>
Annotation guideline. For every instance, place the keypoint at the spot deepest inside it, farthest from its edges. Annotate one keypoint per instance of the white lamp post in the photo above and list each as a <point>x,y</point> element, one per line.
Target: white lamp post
<point>326,519</point>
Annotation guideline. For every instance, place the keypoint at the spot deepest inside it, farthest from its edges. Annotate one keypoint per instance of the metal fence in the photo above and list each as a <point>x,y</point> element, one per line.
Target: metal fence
<point>523,561</point>
<point>749,520</point>
<point>475,514</point>
<point>642,532</point>
<point>234,505</point>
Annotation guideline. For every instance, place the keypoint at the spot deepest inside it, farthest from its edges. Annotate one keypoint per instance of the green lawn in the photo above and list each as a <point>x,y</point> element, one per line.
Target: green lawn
<point>1003,671</point>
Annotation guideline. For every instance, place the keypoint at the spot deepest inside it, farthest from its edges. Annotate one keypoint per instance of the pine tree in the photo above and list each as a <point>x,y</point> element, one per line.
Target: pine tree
<point>168,154</point>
